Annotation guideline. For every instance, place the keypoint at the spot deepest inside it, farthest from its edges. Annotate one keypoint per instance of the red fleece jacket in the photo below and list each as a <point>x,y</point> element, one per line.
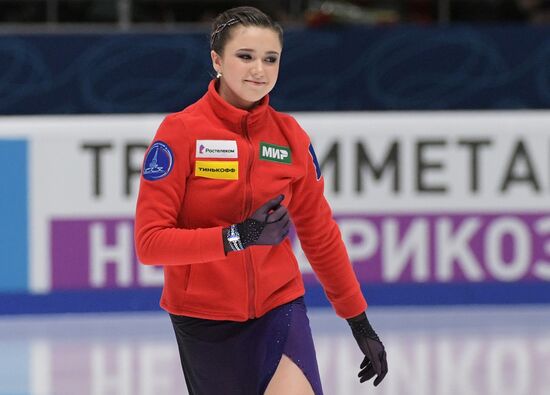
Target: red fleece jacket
<point>212,165</point>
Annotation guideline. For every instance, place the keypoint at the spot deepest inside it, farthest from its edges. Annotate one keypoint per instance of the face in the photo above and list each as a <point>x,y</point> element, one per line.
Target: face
<point>249,65</point>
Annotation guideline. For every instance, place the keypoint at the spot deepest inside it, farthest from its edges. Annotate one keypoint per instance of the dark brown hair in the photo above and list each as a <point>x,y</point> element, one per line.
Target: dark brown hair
<point>246,16</point>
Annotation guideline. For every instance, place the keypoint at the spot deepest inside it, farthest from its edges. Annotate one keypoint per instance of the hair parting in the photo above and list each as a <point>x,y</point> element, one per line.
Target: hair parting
<point>246,16</point>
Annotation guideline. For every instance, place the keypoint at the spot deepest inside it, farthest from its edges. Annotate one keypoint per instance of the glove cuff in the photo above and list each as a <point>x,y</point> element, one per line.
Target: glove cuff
<point>360,326</point>
<point>250,231</point>
<point>232,239</point>
<point>239,236</point>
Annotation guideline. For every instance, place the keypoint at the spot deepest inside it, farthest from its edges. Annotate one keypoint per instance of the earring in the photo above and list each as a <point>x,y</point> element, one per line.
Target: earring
<point>218,74</point>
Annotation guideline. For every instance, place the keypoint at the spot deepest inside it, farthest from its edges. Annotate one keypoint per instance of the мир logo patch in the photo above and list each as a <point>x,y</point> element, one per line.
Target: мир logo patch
<point>158,161</point>
<point>275,153</point>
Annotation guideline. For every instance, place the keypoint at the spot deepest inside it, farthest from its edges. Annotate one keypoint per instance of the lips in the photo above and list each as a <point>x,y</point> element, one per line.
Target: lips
<point>256,83</point>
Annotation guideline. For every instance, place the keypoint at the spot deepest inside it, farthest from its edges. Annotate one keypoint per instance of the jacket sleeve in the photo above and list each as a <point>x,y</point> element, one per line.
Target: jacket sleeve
<point>158,239</point>
<point>322,242</point>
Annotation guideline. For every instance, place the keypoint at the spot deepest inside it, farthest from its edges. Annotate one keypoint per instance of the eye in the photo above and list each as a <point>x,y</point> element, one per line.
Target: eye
<point>244,56</point>
<point>271,59</point>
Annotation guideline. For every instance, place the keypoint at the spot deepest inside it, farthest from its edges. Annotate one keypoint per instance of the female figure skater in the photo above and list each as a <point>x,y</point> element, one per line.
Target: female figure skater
<point>221,183</point>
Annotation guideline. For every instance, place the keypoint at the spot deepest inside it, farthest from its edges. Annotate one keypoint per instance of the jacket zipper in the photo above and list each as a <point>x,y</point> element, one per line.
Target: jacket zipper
<point>248,207</point>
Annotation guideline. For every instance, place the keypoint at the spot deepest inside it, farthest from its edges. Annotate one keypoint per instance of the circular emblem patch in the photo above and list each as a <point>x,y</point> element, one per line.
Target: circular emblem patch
<point>158,161</point>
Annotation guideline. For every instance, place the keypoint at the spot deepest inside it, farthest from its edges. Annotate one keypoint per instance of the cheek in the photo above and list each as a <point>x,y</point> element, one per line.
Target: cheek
<point>233,67</point>
<point>274,75</point>
<point>273,72</point>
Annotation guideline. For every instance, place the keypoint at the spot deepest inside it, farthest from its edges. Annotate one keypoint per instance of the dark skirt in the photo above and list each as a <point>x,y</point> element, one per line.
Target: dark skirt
<point>240,358</point>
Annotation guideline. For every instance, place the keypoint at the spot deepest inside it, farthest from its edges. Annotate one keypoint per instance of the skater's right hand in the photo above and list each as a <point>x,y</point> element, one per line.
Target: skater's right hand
<point>275,220</point>
<point>268,225</point>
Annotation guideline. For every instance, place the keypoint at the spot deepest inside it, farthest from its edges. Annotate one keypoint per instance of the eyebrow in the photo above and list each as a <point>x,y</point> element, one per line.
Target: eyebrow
<point>252,50</point>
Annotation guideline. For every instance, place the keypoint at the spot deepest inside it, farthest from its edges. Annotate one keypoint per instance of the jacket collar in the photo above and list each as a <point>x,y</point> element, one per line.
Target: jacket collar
<point>232,116</point>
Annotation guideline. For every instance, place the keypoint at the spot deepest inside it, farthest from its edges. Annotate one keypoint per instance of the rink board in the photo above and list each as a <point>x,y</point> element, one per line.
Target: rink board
<point>434,207</point>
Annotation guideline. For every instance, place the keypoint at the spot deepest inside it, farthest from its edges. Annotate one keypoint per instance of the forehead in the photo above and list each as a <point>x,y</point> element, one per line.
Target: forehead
<point>254,37</point>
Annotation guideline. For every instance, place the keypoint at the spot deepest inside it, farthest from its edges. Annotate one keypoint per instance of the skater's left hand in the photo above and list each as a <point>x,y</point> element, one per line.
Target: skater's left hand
<point>375,355</point>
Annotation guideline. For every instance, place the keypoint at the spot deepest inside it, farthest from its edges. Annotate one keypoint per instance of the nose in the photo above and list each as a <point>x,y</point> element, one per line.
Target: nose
<point>258,68</point>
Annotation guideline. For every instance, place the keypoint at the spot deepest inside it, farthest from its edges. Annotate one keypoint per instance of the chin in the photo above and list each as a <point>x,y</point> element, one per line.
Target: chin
<point>255,93</point>
<point>254,98</point>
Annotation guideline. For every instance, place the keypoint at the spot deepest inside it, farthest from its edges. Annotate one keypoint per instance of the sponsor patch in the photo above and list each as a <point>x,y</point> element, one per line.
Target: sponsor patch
<point>158,161</point>
<point>216,149</point>
<point>315,162</point>
<point>275,153</point>
<point>221,170</point>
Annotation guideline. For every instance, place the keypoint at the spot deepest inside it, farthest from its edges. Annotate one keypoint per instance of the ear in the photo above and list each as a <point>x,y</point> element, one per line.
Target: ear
<point>216,61</point>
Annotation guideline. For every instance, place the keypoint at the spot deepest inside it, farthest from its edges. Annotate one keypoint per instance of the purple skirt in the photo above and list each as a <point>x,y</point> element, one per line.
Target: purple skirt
<point>240,358</point>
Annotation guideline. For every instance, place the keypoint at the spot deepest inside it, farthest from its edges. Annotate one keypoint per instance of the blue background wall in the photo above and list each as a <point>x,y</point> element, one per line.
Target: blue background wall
<point>351,68</point>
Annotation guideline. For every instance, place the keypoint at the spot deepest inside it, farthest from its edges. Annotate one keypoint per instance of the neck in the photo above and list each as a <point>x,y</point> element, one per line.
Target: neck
<point>229,96</point>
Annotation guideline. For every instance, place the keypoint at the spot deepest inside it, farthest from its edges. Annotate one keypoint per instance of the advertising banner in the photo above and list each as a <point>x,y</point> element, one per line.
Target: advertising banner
<point>446,207</point>
<point>439,197</point>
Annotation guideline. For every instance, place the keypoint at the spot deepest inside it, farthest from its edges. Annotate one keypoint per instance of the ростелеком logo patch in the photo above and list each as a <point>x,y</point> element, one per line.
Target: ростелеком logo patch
<point>158,161</point>
<point>216,149</point>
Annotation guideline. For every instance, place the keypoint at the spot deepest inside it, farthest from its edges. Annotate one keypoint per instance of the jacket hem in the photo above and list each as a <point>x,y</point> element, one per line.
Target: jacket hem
<point>225,316</point>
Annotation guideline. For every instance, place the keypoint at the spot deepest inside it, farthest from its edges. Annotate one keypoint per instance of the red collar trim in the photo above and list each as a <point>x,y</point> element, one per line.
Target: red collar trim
<point>232,115</point>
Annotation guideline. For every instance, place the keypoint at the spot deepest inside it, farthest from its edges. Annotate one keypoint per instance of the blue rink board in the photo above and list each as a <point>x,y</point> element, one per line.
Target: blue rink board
<point>377,295</point>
